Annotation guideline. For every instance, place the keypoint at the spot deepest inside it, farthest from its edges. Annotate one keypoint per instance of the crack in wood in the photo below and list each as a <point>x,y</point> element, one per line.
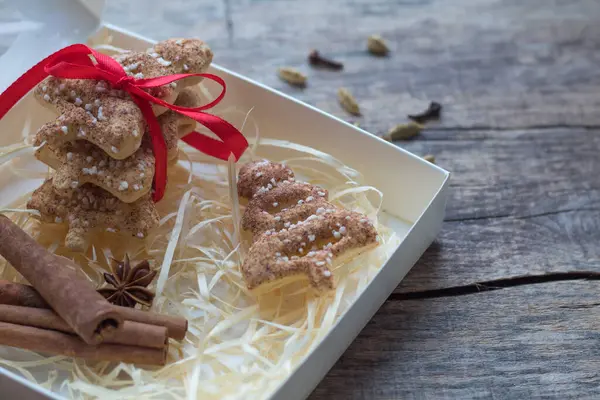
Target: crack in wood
<point>579,306</point>
<point>483,217</point>
<point>496,284</point>
<point>511,128</point>
<point>542,214</point>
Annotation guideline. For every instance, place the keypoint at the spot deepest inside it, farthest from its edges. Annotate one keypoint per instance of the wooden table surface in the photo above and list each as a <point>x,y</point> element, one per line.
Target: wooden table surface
<point>505,303</point>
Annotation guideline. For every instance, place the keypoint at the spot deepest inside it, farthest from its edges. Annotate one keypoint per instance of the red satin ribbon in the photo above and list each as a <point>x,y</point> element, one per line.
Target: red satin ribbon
<point>74,62</point>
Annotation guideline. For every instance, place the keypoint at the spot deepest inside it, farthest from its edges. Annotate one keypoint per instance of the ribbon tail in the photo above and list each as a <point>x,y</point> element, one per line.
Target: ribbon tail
<point>233,141</point>
<point>209,146</point>
<point>159,147</point>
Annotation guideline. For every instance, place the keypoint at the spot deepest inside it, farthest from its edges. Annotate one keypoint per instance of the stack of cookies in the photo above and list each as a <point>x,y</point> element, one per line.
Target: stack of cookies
<point>99,149</point>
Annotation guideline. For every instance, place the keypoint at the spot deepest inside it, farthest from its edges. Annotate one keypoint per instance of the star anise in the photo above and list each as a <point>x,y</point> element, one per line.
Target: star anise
<point>129,284</point>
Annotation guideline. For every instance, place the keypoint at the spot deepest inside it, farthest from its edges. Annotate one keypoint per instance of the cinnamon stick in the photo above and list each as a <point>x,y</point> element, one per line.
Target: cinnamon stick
<point>132,333</point>
<point>58,343</point>
<point>20,295</point>
<point>55,279</point>
<point>176,326</point>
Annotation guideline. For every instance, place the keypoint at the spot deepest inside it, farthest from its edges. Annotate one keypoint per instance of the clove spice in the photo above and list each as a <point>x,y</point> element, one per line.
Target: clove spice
<point>403,132</point>
<point>316,59</point>
<point>431,113</point>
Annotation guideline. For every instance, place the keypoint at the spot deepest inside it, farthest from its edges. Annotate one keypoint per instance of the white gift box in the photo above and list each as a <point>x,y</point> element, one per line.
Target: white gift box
<point>414,190</point>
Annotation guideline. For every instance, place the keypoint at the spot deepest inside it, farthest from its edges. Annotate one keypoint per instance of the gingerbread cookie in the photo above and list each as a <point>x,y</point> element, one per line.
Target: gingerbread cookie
<point>309,247</point>
<point>172,56</point>
<point>91,110</point>
<point>258,175</point>
<point>80,162</point>
<point>285,204</point>
<point>112,123</point>
<point>89,208</point>
<point>296,230</point>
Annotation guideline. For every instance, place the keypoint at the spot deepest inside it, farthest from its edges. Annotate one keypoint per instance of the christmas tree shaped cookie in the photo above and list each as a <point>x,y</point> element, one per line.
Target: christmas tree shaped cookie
<point>296,231</point>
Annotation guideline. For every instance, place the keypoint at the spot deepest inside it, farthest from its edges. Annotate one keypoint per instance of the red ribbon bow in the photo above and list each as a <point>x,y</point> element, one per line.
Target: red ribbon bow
<point>74,62</point>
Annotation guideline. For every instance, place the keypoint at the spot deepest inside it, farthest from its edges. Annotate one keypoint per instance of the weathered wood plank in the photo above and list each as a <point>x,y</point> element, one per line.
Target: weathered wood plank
<point>492,63</point>
<point>536,341</point>
<point>516,173</point>
<point>521,202</point>
<point>473,251</point>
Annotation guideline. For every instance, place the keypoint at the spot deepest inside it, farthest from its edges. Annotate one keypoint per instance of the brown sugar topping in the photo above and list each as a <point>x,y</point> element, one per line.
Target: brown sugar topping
<point>296,230</point>
<point>88,208</point>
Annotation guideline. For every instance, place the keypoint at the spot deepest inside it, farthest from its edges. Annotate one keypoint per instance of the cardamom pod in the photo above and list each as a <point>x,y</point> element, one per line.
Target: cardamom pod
<point>348,102</point>
<point>292,76</point>
<point>376,45</point>
<point>430,158</point>
<point>403,131</point>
